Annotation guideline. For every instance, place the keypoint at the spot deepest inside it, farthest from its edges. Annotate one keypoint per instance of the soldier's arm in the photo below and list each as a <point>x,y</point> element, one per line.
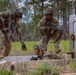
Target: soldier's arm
<point>41,23</point>
<point>55,20</point>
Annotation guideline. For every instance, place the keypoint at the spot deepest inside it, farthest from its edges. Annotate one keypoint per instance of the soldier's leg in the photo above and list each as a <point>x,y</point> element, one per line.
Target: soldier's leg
<point>43,42</point>
<point>43,45</point>
<point>56,46</point>
<point>1,53</point>
<point>7,45</point>
<point>1,48</point>
<point>22,42</point>
<point>18,28</point>
<point>7,49</point>
<point>1,43</point>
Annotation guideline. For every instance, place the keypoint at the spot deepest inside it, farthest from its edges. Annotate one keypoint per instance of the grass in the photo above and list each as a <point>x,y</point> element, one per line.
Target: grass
<point>45,69</point>
<point>72,64</point>
<point>16,47</point>
<point>6,72</point>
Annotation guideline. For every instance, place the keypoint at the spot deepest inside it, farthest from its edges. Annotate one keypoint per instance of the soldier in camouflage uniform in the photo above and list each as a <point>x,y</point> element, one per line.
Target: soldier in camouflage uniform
<point>6,20</point>
<point>47,21</point>
<point>47,56</point>
<point>15,20</point>
<point>38,52</point>
<point>4,34</point>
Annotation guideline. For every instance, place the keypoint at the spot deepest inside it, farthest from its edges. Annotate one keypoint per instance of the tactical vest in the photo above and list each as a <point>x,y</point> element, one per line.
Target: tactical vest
<point>48,23</point>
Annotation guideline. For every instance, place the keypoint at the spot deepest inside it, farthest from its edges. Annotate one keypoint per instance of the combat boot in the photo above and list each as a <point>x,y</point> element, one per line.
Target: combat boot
<point>1,54</point>
<point>24,47</point>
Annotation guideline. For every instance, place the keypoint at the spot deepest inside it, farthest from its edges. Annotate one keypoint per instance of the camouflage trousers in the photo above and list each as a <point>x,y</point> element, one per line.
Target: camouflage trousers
<point>51,55</point>
<point>2,39</point>
<point>45,39</point>
<point>5,43</point>
<point>18,33</point>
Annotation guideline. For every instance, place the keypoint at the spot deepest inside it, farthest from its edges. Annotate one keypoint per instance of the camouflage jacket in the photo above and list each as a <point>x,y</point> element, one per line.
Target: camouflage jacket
<point>5,20</point>
<point>43,21</point>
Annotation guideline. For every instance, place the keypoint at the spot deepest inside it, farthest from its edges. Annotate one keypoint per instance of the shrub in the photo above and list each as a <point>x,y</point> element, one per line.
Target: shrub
<point>6,72</point>
<point>46,69</point>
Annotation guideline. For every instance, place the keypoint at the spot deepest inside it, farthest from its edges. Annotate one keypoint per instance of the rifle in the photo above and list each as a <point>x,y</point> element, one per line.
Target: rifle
<point>50,30</point>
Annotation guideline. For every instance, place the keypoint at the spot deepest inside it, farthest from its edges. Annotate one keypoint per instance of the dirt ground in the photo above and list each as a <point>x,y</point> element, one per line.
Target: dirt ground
<point>68,74</point>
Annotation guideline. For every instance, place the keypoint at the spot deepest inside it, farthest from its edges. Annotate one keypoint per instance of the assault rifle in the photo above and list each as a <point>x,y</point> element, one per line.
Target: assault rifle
<point>50,30</point>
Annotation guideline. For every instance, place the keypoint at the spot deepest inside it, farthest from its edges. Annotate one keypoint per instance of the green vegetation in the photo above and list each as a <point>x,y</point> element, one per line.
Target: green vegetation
<point>16,47</point>
<point>6,72</point>
<point>46,69</point>
<point>72,65</point>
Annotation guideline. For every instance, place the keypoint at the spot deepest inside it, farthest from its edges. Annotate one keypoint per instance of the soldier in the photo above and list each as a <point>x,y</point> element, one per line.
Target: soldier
<point>38,52</point>
<point>47,56</point>
<point>47,26</point>
<point>4,32</point>
<point>15,20</point>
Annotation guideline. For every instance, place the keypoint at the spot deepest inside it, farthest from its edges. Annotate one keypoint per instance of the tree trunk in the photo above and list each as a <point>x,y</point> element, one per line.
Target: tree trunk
<point>13,5</point>
<point>55,7</point>
<point>35,26</point>
<point>64,17</point>
<point>58,5</point>
<point>75,6</point>
<point>16,3</point>
<point>26,20</point>
<point>68,17</point>
<point>42,7</point>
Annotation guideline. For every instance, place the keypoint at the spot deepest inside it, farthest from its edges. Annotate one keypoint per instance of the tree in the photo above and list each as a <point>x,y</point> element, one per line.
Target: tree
<point>42,6</point>
<point>75,6</point>
<point>26,20</point>
<point>56,8</point>
<point>64,17</point>
<point>4,5</point>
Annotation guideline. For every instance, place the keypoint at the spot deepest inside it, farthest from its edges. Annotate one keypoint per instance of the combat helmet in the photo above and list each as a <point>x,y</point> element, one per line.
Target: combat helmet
<point>36,47</point>
<point>18,13</point>
<point>48,12</point>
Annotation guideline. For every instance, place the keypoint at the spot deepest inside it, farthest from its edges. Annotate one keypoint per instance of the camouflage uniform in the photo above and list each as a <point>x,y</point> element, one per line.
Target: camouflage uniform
<point>50,55</point>
<point>15,19</point>
<point>45,38</point>
<point>2,38</point>
<point>4,32</point>
<point>38,52</point>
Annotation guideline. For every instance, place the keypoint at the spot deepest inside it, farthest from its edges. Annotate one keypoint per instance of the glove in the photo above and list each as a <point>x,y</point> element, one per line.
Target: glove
<point>34,58</point>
